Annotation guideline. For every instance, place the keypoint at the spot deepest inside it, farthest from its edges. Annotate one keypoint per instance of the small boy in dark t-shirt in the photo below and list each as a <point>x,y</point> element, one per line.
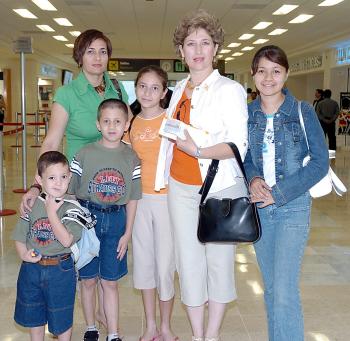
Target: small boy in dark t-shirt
<point>46,282</point>
<point>107,180</point>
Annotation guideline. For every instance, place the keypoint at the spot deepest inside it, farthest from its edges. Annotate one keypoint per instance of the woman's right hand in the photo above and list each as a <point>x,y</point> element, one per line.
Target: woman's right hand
<point>28,200</point>
<point>260,192</point>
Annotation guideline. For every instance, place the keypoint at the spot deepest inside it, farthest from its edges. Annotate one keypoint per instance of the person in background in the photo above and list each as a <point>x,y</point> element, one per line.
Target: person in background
<point>107,181</point>
<point>152,239</point>
<point>46,282</point>
<point>2,111</point>
<point>280,184</point>
<point>249,95</point>
<point>328,111</point>
<point>318,98</point>
<point>216,107</point>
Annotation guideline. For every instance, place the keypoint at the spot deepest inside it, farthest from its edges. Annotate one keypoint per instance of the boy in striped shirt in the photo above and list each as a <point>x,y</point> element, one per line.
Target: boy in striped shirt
<point>107,180</point>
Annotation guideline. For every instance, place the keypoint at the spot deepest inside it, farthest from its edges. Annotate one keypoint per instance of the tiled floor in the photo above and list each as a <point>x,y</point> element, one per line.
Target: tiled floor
<point>325,279</point>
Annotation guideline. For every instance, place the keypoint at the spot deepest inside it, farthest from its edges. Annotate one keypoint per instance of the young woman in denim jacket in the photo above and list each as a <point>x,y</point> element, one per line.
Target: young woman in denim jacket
<point>280,184</point>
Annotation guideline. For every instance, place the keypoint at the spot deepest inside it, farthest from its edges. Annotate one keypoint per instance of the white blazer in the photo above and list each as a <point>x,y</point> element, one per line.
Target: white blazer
<point>219,107</point>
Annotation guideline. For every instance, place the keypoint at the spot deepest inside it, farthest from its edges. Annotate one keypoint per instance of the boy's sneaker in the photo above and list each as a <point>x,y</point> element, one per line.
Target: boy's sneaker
<point>91,335</point>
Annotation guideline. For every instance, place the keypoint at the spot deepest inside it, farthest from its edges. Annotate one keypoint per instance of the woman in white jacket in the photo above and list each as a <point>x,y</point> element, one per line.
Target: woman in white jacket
<point>216,106</point>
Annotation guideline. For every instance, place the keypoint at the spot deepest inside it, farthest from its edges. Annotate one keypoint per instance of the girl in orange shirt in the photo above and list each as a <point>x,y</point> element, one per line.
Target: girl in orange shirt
<point>152,242</point>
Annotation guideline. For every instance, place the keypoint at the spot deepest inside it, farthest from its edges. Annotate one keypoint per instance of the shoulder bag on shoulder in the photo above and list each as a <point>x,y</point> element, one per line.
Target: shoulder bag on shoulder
<point>227,220</point>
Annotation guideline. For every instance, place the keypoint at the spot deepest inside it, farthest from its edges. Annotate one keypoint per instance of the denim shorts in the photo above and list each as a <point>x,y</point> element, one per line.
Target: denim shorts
<point>110,227</point>
<point>45,294</point>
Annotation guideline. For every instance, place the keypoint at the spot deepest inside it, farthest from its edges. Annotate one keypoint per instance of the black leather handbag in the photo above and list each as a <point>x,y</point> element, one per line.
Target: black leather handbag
<point>227,220</point>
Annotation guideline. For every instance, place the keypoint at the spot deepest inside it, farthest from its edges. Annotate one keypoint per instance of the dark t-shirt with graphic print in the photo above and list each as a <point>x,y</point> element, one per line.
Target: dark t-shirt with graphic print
<point>106,176</point>
<point>36,232</point>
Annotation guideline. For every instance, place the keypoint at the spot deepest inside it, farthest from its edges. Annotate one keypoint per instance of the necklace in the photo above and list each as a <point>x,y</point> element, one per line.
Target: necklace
<point>100,88</point>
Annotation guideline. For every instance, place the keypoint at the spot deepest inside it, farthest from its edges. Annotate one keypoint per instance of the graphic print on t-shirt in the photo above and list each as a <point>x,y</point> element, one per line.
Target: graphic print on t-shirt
<point>41,232</point>
<point>108,185</point>
<point>147,134</point>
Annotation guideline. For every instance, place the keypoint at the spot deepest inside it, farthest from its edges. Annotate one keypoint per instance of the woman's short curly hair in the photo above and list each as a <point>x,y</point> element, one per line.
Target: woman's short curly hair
<point>195,20</point>
<point>84,40</point>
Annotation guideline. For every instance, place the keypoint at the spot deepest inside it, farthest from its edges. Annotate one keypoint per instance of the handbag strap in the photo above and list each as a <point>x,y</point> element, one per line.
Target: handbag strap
<point>301,119</point>
<point>213,168</point>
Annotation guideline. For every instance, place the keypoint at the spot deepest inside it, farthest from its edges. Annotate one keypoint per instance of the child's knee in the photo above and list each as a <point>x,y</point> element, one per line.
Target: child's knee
<point>89,284</point>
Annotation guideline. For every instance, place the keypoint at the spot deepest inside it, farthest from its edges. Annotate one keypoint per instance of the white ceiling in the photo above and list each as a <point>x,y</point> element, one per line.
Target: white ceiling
<point>143,29</point>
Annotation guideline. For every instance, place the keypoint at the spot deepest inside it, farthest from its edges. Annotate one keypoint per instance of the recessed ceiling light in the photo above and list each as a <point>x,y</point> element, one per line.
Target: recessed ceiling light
<point>246,36</point>
<point>234,45</point>
<point>301,18</point>
<point>285,9</point>
<point>262,25</point>
<point>60,38</point>
<point>75,33</point>
<point>229,58</point>
<point>247,48</point>
<point>225,51</point>
<point>46,28</point>
<point>219,56</point>
<point>237,54</point>
<point>45,5</point>
<point>63,21</point>
<point>278,31</point>
<point>330,2</point>
<point>24,13</point>
<point>69,45</point>
<point>260,41</point>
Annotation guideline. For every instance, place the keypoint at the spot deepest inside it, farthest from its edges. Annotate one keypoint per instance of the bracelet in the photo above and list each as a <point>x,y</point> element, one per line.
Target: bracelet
<point>198,153</point>
<point>37,186</point>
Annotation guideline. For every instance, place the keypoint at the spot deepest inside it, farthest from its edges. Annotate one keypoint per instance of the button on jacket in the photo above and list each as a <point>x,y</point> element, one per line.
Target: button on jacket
<point>292,179</point>
<point>219,107</point>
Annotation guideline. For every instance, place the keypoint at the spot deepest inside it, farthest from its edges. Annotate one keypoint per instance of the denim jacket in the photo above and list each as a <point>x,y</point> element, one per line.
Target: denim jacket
<point>292,179</point>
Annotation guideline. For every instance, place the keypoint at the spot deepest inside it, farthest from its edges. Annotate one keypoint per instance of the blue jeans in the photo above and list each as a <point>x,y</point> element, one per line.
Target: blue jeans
<point>279,252</point>
<point>110,227</point>
<point>45,294</point>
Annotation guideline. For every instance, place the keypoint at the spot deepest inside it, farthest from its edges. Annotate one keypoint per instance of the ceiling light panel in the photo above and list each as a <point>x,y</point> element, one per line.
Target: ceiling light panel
<point>301,18</point>
<point>285,9</point>
<point>237,54</point>
<point>246,36</point>
<point>262,25</point>
<point>24,13</point>
<point>278,31</point>
<point>69,45</point>
<point>225,51</point>
<point>234,45</point>
<point>260,41</point>
<point>45,5</point>
<point>75,33</point>
<point>247,48</point>
<point>229,58</point>
<point>45,28</point>
<point>63,21</point>
<point>330,2</point>
<point>60,38</point>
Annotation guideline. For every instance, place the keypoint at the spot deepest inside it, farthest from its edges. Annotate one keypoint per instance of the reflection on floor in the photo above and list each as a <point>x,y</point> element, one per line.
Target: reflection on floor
<point>325,277</point>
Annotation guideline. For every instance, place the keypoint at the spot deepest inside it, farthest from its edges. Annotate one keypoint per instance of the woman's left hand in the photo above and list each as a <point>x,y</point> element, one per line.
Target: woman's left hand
<point>187,145</point>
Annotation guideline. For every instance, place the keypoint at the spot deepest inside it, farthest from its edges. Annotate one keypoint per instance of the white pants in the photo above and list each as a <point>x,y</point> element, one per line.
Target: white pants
<point>206,271</point>
<point>153,247</point>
